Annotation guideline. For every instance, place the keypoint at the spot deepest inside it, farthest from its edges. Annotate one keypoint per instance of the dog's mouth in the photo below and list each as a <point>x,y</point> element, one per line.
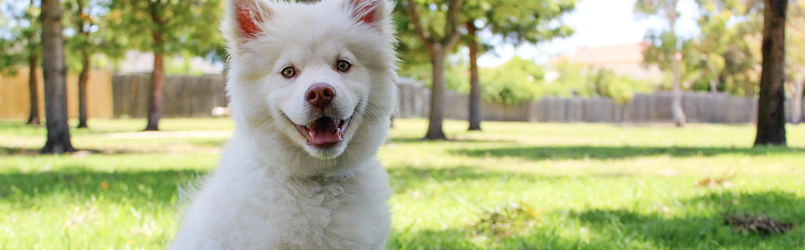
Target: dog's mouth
<point>324,132</point>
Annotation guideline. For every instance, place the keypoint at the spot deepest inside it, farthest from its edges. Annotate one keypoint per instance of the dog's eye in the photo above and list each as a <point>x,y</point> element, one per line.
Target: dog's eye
<point>342,65</point>
<point>288,72</point>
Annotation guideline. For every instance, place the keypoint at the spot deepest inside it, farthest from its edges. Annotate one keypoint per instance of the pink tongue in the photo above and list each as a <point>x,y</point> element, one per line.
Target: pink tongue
<point>324,132</point>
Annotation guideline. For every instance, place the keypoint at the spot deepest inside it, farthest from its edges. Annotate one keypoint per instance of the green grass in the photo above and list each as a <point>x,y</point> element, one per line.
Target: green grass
<point>513,186</point>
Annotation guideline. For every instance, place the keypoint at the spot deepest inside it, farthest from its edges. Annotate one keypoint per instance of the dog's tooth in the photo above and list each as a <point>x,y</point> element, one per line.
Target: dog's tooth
<point>310,133</point>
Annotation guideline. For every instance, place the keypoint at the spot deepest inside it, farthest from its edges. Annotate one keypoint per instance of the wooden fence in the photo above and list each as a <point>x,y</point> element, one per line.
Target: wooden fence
<point>646,108</point>
<point>15,102</point>
<point>699,107</point>
<point>182,96</point>
<point>196,96</point>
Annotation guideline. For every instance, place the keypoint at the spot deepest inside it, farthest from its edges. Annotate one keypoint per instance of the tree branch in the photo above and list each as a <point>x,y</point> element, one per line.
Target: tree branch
<point>451,33</point>
<point>83,22</point>
<point>420,32</point>
<point>451,41</point>
<point>669,7</point>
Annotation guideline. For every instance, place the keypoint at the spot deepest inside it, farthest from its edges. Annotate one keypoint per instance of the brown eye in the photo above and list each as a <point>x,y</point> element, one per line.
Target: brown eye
<point>288,72</point>
<point>342,65</point>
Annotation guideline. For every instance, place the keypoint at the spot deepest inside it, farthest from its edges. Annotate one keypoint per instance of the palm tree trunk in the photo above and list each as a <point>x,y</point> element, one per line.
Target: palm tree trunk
<point>436,116</point>
<point>33,90</point>
<point>83,78</point>
<point>771,104</point>
<point>475,85</point>
<point>55,73</point>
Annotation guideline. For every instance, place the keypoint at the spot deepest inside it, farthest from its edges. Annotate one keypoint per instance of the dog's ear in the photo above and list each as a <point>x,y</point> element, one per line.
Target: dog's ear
<point>370,12</point>
<point>244,18</point>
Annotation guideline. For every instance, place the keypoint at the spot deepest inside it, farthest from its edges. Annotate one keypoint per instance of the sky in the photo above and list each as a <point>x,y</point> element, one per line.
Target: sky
<point>596,23</point>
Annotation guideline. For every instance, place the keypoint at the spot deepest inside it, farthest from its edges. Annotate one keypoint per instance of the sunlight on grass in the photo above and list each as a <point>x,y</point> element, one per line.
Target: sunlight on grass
<point>586,186</point>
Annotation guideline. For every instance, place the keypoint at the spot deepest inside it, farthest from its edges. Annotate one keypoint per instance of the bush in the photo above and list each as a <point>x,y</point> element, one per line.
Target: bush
<point>574,80</point>
<point>619,88</point>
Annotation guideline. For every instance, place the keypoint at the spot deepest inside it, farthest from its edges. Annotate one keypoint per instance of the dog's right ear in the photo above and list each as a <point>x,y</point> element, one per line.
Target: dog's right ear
<point>244,18</point>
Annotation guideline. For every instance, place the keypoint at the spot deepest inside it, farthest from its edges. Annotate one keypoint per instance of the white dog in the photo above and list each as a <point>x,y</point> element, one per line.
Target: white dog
<point>312,89</point>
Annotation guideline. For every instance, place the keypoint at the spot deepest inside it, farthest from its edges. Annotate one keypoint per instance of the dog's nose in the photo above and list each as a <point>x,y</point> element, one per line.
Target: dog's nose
<point>320,95</point>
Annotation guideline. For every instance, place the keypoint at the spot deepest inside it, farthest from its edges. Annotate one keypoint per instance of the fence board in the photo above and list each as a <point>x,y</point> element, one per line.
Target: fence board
<point>15,101</point>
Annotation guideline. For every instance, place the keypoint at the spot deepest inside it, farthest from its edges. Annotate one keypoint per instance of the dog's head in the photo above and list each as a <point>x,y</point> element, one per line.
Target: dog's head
<point>319,76</point>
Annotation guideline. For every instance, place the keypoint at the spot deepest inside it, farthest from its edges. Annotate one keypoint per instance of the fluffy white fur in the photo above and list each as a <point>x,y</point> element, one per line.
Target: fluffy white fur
<point>272,190</point>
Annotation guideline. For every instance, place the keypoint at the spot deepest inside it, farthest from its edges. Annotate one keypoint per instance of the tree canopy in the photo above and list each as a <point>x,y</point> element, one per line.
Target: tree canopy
<point>725,57</point>
<point>181,25</point>
<point>19,37</point>
<point>88,26</point>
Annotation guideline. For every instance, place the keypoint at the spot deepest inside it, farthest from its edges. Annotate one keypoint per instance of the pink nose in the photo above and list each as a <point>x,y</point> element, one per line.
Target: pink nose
<point>320,95</point>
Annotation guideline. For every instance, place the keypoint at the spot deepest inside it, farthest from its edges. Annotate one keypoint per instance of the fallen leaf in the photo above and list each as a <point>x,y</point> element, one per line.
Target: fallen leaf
<point>760,224</point>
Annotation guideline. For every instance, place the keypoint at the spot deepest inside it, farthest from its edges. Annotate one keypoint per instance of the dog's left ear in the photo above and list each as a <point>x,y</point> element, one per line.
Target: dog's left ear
<point>371,12</point>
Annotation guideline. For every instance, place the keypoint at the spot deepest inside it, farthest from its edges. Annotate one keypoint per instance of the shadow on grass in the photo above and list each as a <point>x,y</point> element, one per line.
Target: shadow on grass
<point>19,128</point>
<point>11,151</point>
<point>407,178</point>
<point>700,227</point>
<point>703,227</point>
<point>28,189</point>
<point>609,152</point>
<point>120,148</point>
<point>406,140</point>
<point>18,125</point>
<point>209,142</point>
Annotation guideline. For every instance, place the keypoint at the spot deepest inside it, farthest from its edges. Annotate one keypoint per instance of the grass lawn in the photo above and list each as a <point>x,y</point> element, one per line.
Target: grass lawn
<point>512,186</point>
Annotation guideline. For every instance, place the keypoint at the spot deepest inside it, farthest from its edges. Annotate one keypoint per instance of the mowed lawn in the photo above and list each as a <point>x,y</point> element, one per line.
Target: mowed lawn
<point>512,186</point>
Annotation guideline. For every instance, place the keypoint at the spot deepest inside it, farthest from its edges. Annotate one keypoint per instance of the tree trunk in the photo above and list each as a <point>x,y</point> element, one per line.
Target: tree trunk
<point>157,75</point>
<point>55,73</point>
<point>676,106</point>
<point>714,86</point>
<point>771,109</point>
<point>82,89</point>
<point>436,116</point>
<point>475,85</point>
<point>679,114</point>
<point>797,116</point>
<point>33,90</point>
<point>155,103</point>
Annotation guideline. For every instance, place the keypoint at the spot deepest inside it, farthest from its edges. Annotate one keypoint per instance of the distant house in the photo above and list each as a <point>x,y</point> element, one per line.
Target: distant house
<point>143,62</point>
<point>624,59</point>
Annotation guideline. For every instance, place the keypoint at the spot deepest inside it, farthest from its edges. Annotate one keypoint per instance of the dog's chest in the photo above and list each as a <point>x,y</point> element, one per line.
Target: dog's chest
<point>306,215</point>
